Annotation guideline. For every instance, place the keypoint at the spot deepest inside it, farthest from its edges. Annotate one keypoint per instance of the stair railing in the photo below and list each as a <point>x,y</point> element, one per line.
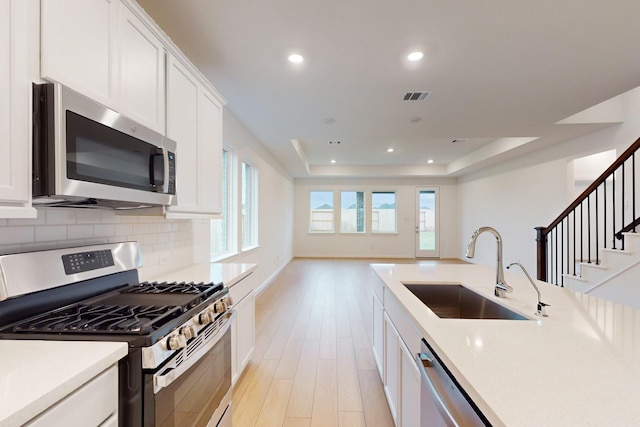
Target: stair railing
<point>594,220</point>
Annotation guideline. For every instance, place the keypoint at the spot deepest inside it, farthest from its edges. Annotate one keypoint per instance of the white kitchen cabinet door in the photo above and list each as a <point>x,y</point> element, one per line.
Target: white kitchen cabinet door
<point>142,72</point>
<point>409,389</point>
<point>209,154</point>
<point>242,335</point>
<point>182,127</point>
<point>79,46</point>
<point>194,121</point>
<point>391,366</point>
<point>378,334</point>
<point>15,111</point>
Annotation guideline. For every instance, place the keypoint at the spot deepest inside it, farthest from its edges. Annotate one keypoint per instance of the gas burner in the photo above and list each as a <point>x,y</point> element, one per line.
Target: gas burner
<point>174,288</point>
<point>101,318</point>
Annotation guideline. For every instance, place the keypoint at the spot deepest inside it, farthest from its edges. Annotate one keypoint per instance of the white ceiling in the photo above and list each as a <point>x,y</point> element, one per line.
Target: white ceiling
<point>501,73</point>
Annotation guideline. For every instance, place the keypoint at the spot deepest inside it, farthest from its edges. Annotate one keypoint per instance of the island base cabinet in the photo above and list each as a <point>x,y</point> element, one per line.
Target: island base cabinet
<point>378,334</point>
<point>93,404</point>
<point>391,366</point>
<point>409,389</point>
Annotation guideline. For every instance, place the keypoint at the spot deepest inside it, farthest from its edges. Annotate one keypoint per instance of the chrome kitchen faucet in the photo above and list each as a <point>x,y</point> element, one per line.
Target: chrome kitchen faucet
<point>501,287</point>
<point>541,305</point>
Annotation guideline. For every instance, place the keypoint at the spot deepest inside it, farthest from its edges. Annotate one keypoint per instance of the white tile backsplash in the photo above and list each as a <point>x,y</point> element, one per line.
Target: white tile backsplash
<point>49,233</point>
<point>165,244</point>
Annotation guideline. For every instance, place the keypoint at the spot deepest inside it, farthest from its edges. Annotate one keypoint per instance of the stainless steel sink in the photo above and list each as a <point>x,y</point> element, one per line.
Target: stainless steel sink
<point>458,302</point>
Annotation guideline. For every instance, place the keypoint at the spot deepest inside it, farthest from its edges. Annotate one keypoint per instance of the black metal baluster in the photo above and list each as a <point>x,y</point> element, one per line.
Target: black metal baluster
<point>604,227</point>
<point>581,233</point>
<point>613,206</point>
<point>589,229</point>
<point>561,253</point>
<point>574,242</point>
<point>597,231</point>
<point>623,207</point>
<point>556,256</point>
<point>568,252</point>
<point>633,188</point>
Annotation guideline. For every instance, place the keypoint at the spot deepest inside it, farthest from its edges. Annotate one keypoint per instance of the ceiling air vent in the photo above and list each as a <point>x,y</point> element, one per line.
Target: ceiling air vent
<point>417,96</point>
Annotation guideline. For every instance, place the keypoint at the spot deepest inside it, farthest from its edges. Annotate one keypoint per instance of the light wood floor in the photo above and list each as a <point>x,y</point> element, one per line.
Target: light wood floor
<point>313,364</point>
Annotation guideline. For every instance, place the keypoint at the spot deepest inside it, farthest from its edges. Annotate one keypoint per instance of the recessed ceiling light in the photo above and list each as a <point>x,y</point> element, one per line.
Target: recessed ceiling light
<point>389,150</point>
<point>333,161</point>
<point>295,58</point>
<point>415,56</point>
<point>430,161</point>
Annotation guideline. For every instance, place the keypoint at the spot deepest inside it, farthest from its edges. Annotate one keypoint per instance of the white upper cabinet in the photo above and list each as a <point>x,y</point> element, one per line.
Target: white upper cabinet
<point>112,52</point>
<point>15,111</point>
<point>194,121</point>
<point>79,41</point>
<point>142,72</point>
<point>106,51</point>
<point>209,153</point>
<point>182,126</point>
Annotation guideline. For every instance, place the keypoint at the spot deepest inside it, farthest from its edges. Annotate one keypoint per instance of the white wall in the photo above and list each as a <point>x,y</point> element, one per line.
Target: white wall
<point>521,194</point>
<point>368,245</point>
<point>275,206</point>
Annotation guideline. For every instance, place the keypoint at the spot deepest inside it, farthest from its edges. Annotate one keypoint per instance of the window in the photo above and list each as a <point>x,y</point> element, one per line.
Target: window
<point>321,212</point>
<point>221,229</point>
<point>352,212</point>
<point>383,212</point>
<point>249,206</point>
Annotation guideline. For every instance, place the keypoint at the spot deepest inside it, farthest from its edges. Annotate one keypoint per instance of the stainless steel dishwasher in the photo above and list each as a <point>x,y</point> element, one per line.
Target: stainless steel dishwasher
<point>442,401</point>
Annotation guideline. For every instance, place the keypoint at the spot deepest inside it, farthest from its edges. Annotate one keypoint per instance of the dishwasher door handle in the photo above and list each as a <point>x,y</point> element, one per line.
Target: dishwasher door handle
<point>425,362</point>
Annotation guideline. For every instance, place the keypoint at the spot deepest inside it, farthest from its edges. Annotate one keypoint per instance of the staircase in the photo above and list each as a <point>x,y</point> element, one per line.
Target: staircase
<point>615,278</point>
<point>592,246</point>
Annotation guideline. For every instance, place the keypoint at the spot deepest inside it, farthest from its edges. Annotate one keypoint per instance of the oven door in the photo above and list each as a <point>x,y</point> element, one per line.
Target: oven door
<point>194,387</point>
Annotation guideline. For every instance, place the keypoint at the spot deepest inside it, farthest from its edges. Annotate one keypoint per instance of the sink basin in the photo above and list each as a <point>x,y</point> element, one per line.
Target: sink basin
<point>459,302</point>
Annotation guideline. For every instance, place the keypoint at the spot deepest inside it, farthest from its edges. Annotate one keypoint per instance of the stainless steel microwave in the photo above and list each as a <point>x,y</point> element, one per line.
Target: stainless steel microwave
<point>87,155</point>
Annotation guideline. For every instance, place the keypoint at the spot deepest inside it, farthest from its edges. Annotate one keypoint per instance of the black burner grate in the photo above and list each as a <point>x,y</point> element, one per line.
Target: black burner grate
<point>175,288</point>
<point>101,318</point>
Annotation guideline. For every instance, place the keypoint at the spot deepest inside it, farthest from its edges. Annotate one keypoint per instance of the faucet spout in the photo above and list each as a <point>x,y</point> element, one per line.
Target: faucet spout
<point>501,287</point>
<point>541,306</point>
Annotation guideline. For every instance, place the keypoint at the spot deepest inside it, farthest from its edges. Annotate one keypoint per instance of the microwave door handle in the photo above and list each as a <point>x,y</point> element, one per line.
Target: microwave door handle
<point>156,176</point>
<point>165,176</point>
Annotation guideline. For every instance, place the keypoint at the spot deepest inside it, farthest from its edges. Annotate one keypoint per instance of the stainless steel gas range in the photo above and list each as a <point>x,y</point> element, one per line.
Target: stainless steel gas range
<point>178,368</point>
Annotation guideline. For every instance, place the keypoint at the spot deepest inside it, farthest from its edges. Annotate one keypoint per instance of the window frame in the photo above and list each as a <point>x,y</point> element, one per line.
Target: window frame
<point>364,212</point>
<point>333,213</point>
<point>253,207</point>
<point>228,214</point>
<point>395,209</point>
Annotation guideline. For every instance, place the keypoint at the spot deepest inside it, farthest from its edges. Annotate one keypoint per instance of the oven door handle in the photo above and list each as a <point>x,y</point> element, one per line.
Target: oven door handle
<point>167,376</point>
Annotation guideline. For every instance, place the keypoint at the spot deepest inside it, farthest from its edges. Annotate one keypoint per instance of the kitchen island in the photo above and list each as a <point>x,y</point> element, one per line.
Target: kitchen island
<point>578,366</point>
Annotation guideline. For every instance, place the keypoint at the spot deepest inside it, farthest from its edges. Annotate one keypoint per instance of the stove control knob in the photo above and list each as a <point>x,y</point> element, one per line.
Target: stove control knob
<point>176,342</point>
<point>229,301</point>
<point>205,318</point>
<point>219,307</point>
<point>188,332</point>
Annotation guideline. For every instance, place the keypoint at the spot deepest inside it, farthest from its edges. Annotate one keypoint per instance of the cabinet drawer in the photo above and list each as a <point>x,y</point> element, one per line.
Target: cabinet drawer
<point>402,322</point>
<point>90,405</point>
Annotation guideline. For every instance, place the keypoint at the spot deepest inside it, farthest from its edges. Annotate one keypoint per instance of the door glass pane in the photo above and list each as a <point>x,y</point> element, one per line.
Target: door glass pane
<point>427,221</point>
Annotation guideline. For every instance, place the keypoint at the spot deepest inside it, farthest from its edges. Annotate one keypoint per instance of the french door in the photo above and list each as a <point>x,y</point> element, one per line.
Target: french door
<point>427,223</point>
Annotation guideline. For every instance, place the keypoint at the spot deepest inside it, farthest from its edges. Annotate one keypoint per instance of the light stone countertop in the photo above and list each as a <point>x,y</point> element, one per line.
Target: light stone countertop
<point>578,367</point>
<point>36,374</point>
